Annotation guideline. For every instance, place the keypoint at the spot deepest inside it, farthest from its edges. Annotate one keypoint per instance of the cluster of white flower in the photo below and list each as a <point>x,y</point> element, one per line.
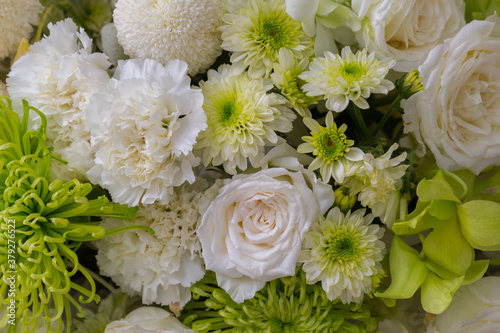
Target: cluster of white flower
<point>267,118</point>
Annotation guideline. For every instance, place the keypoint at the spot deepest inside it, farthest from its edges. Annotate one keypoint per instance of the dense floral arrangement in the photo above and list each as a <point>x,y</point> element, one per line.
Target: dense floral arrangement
<point>249,166</point>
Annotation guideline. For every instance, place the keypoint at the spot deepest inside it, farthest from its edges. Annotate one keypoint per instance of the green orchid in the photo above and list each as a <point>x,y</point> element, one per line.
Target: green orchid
<point>460,224</point>
<point>42,225</point>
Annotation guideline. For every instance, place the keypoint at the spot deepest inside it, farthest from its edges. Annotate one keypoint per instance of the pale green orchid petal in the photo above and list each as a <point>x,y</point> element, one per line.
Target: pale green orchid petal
<point>408,271</point>
<point>440,271</point>
<point>480,224</point>
<point>419,220</point>
<point>443,209</point>
<point>448,248</point>
<point>438,293</point>
<point>432,189</point>
<point>475,271</point>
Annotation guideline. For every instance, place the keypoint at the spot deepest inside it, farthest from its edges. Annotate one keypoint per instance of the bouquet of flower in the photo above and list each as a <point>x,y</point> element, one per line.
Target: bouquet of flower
<point>249,166</point>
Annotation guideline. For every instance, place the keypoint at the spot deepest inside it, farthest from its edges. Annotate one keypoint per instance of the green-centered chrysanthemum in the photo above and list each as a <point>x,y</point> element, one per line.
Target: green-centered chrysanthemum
<point>335,156</point>
<point>255,31</point>
<point>42,224</point>
<point>347,77</point>
<point>242,118</point>
<point>344,253</point>
<point>286,79</point>
<point>287,305</point>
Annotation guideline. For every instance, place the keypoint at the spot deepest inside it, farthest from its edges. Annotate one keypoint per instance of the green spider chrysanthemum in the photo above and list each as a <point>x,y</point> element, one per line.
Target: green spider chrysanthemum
<point>335,156</point>
<point>42,224</point>
<point>287,304</point>
<point>256,31</point>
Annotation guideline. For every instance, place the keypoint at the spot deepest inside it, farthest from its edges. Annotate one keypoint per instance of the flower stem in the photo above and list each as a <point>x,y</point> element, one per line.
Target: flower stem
<point>355,113</point>
<point>387,114</point>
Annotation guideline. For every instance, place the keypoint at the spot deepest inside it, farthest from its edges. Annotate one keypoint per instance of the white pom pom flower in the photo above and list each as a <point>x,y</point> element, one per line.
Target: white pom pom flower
<point>166,30</point>
<point>17,18</point>
<point>143,127</point>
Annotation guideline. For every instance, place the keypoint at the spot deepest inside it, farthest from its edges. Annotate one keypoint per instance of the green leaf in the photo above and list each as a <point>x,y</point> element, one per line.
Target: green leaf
<point>435,189</point>
<point>448,248</point>
<point>475,271</point>
<point>480,224</point>
<point>408,271</point>
<point>438,293</point>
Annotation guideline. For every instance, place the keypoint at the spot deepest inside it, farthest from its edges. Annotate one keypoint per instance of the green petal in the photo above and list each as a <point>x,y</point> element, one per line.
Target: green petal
<point>438,293</point>
<point>448,248</point>
<point>475,271</point>
<point>408,271</point>
<point>419,220</point>
<point>432,189</point>
<point>480,224</point>
<point>443,209</point>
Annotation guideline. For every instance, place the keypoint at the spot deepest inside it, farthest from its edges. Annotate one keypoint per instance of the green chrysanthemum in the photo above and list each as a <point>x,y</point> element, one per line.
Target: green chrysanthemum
<point>42,224</point>
<point>283,305</point>
<point>255,31</point>
<point>286,79</point>
<point>335,156</point>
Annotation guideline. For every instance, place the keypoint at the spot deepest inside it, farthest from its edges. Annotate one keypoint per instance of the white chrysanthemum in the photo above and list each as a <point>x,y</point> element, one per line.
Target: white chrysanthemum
<point>286,79</point>
<point>17,18</point>
<point>174,29</point>
<point>350,77</point>
<point>242,118</point>
<point>255,31</point>
<point>344,253</point>
<point>58,76</point>
<point>143,127</point>
<point>335,156</point>
<point>160,267</point>
<point>378,181</point>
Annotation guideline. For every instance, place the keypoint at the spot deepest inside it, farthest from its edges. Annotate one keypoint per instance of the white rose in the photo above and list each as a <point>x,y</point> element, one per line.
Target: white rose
<point>252,231</point>
<point>148,319</point>
<point>407,30</point>
<point>457,116</point>
<point>474,309</point>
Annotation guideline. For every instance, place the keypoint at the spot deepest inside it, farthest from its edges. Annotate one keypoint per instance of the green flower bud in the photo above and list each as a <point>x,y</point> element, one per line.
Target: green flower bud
<point>343,200</point>
<point>409,84</point>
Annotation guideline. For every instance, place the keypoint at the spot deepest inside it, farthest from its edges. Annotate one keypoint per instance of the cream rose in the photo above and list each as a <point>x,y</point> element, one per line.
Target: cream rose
<point>407,30</point>
<point>252,231</point>
<point>457,116</point>
<point>148,319</point>
<point>474,309</point>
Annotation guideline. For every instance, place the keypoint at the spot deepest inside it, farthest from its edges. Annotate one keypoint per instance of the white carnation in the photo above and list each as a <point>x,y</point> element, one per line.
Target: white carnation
<point>166,30</point>
<point>143,127</point>
<point>17,18</point>
<point>58,76</point>
<point>160,267</point>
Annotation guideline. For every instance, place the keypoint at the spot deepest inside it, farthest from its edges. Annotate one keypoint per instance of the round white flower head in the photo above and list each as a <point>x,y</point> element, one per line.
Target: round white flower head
<point>143,127</point>
<point>286,78</point>
<point>457,116</point>
<point>161,267</point>
<point>242,118</point>
<point>335,156</point>
<point>377,182</point>
<point>344,253</point>
<point>347,77</point>
<point>407,30</point>
<point>148,319</point>
<point>58,77</point>
<point>255,31</point>
<point>173,29</point>
<point>475,308</point>
<point>16,23</point>
<point>252,231</point>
